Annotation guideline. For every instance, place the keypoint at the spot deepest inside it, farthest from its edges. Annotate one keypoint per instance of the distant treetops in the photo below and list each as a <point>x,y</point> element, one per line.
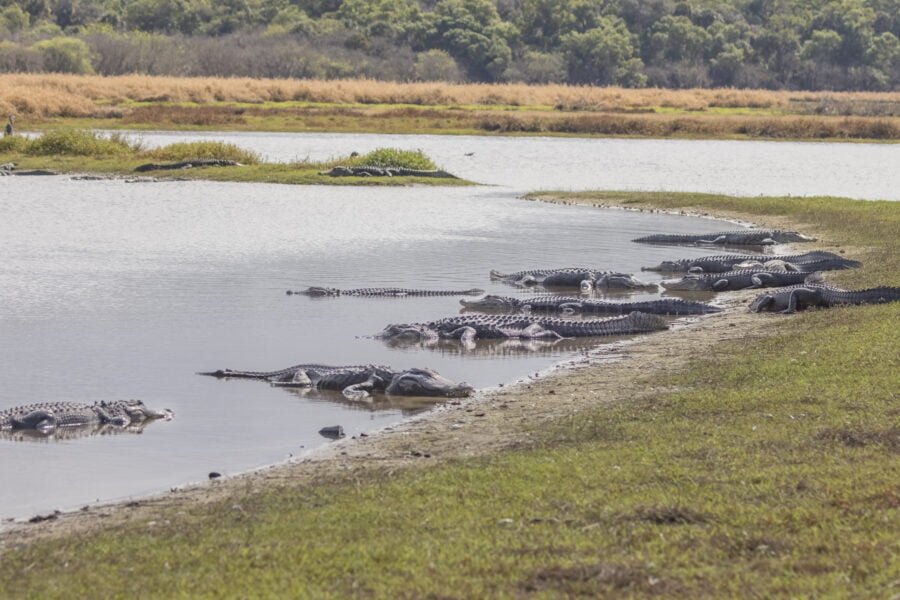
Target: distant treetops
<point>836,44</point>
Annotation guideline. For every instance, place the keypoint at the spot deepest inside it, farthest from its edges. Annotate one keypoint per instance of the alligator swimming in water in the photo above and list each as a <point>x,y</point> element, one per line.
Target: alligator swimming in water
<point>468,328</point>
<point>574,305</point>
<point>47,417</point>
<point>742,237</point>
<point>319,292</point>
<point>798,297</point>
<point>574,277</point>
<point>357,381</point>
<point>816,260</point>
<point>739,280</point>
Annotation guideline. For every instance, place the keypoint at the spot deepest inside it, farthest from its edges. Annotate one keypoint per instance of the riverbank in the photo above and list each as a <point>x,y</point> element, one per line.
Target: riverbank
<point>682,465</point>
<point>357,106</point>
<point>82,152</point>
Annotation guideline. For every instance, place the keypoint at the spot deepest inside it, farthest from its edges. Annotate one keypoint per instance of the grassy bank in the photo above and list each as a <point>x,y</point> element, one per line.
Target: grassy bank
<point>46,101</point>
<point>767,467</point>
<point>79,151</point>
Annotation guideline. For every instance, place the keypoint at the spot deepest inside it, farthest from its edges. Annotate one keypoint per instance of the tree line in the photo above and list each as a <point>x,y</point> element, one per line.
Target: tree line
<point>774,44</point>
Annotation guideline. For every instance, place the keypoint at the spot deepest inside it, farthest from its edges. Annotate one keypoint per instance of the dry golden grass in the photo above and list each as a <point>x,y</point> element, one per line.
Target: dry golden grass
<point>50,95</point>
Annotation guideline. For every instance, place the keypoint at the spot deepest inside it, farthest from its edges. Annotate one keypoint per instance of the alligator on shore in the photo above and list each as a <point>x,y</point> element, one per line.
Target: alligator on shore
<point>372,171</point>
<point>47,417</point>
<point>319,292</point>
<point>357,381</point>
<point>468,328</point>
<point>739,280</point>
<point>573,305</point>
<point>743,237</point>
<point>195,163</point>
<point>574,277</point>
<point>799,297</point>
<point>817,260</point>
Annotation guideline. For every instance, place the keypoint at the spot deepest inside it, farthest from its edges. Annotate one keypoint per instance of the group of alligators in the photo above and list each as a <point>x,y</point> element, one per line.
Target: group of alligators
<point>797,278</point>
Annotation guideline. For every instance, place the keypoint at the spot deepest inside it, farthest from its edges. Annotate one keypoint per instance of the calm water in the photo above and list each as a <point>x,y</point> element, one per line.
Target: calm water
<point>866,171</point>
<point>114,290</point>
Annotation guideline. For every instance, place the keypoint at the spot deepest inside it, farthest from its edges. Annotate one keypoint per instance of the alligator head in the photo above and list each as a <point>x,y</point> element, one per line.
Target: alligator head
<point>412,332</point>
<point>666,266</point>
<point>620,281</point>
<point>792,236</point>
<point>125,412</point>
<point>490,302</point>
<point>688,283</point>
<point>315,291</point>
<point>425,382</point>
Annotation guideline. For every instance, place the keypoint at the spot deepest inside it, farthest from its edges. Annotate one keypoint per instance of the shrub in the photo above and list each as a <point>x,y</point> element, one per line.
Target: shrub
<point>392,157</point>
<point>76,142</point>
<point>66,55</point>
<point>13,143</point>
<point>192,150</point>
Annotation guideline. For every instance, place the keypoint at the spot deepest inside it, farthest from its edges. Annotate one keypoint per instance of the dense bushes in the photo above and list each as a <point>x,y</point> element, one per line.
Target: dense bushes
<point>832,44</point>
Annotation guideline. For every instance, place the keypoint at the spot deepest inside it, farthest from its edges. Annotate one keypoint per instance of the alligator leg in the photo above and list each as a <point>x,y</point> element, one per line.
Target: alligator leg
<point>40,420</point>
<point>361,391</point>
<point>720,285</point>
<point>571,308</point>
<point>536,332</point>
<point>300,378</point>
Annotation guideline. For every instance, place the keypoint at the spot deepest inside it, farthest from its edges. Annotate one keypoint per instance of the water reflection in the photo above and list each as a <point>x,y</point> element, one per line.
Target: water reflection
<point>405,405</point>
<point>63,434</point>
<point>511,348</point>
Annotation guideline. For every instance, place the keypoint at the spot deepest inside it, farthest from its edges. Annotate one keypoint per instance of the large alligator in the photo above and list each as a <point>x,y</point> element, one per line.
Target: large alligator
<point>817,260</point>
<point>195,163</point>
<point>742,237</point>
<point>573,305</point>
<point>799,297</point>
<point>468,328</point>
<point>46,417</point>
<point>739,280</point>
<point>357,381</point>
<point>574,277</point>
<point>318,292</point>
<point>373,171</point>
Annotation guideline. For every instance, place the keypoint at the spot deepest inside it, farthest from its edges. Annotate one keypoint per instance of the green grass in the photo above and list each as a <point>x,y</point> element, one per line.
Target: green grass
<point>192,150</point>
<point>768,468</point>
<point>78,151</point>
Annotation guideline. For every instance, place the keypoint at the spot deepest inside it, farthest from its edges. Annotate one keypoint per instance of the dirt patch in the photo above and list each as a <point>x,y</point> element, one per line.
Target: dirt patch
<point>889,438</point>
<point>669,515</point>
<point>591,579</point>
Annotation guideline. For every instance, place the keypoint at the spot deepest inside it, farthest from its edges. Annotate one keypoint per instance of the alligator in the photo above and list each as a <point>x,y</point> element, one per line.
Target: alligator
<point>357,381</point>
<point>742,237</point>
<point>817,260</point>
<point>46,417</point>
<point>468,328</point>
<point>373,171</point>
<point>739,280</point>
<point>195,163</point>
<point>573,277</point>
<point>798,297</point>
<point>319,292</point>
<point>573,305</point>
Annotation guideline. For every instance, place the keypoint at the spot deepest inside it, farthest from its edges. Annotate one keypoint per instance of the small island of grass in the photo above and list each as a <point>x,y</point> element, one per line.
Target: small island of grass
<point>80,151</point>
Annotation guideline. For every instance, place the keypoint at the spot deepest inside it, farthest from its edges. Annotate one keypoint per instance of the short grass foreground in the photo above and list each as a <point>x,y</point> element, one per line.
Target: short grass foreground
<point>767,469</point>
<point>79,151</point>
